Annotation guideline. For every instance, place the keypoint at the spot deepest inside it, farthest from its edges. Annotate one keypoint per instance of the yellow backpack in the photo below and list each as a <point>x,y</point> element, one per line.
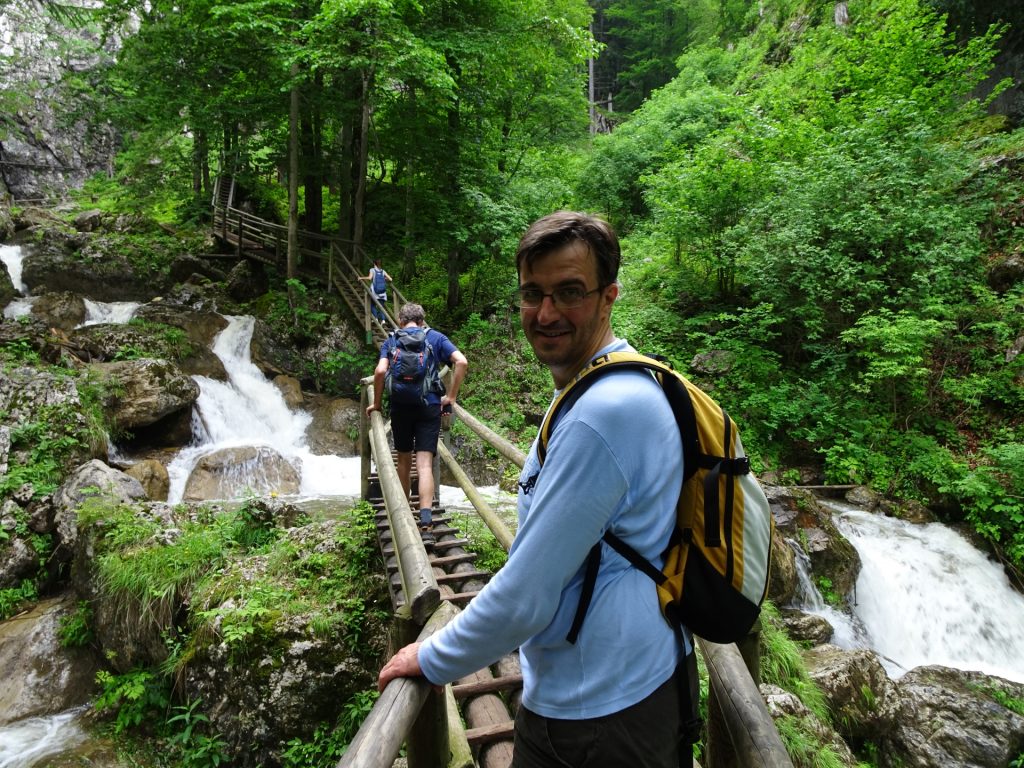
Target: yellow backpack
<point>718,559</point>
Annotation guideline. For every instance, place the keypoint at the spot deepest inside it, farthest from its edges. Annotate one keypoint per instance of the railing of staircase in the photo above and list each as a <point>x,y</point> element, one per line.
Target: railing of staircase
<point>740,730</point>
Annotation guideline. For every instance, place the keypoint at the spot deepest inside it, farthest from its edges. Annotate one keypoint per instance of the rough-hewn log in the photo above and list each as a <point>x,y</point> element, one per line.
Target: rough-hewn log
<point>492,438</point>
<point>421,591</point>
<point>483,509</point>
<point>378,741</point>
<point>751,731</point>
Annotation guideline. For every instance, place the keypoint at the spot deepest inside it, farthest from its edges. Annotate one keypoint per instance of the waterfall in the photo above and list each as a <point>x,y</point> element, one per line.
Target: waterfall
<point>248,410</point>
<point>118,312</point>
<point>926,595</point>
<point>26,742</point>
<point>12,257</point>
<point>848,632</point>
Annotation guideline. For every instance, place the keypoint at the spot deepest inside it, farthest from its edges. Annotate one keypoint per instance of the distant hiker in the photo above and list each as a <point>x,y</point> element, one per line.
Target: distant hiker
<point>408,370</point>
<point>378,280</point>
<point>619,694</point>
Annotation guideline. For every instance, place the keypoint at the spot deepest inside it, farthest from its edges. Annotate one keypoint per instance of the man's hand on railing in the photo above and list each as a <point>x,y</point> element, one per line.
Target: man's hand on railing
<point>405,663</point>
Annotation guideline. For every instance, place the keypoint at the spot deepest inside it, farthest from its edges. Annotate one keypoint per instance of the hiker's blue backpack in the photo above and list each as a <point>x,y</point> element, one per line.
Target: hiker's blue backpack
<point>380,283</point>
<point>717,562</point>
<point>412,368</point>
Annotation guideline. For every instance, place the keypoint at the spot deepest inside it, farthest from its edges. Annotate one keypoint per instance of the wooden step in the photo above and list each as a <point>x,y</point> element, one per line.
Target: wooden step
<point>489,733</point>
<point>487,686</point>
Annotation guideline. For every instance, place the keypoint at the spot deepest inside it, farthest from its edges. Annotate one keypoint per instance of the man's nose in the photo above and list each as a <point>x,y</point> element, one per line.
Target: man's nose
<point>547,312</point>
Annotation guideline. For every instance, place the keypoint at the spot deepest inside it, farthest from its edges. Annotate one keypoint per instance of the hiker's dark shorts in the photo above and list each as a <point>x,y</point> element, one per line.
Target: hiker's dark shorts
<point>645,735</point>
<point>415,427</point>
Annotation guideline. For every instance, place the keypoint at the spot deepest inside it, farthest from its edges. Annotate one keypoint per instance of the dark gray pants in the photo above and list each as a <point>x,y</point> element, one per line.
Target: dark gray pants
<point>645,735</point>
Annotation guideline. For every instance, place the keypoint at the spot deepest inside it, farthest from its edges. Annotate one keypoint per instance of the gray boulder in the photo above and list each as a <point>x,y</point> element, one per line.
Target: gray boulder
<point>952,717</point>
<point>860,694</point>
<point>62,310</point>
<point>334,429</point>
<point>141,392</point>
<point>782,704</point>
<point>232,472</point>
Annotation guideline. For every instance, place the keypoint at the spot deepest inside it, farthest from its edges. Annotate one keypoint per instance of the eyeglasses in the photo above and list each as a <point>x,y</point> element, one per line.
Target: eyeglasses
<point>567,297</point>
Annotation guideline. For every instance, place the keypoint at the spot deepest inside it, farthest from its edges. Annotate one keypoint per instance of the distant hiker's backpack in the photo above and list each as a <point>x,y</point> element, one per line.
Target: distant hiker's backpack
<point>380,283</point>
<point>412,369</point>
<point>716,565</point>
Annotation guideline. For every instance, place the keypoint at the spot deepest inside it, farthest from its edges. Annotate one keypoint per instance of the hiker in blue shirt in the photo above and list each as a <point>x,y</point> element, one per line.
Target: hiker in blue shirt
<point>416,422</point>
<point>378,280</point>
<point>616,696</point>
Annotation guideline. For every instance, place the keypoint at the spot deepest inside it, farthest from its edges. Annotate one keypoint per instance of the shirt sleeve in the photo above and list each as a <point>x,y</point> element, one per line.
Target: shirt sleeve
<point>574,503</point>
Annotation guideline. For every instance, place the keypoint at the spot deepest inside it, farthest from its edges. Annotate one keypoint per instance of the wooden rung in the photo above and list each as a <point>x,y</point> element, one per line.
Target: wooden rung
<point>460,597</point>
<point>489,733</point>
<point>468,557</point>
<point>487,686</point>
<point>462,576</point>
<point>450,544</point>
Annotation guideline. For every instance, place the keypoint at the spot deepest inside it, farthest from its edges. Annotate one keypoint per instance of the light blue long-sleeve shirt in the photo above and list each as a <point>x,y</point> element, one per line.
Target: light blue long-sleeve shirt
<point>614,462</point>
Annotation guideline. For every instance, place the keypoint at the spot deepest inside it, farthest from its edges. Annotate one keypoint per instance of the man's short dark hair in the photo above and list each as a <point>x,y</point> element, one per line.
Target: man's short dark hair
<point>561,228</point>
<point>411,313</point>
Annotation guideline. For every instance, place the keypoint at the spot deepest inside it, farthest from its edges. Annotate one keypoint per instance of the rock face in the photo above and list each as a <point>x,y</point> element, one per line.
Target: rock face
<point>88,266</point>
<point>40,675</point>
<point>45,153</point>
<point>292,677</point>
<point>230,472</point>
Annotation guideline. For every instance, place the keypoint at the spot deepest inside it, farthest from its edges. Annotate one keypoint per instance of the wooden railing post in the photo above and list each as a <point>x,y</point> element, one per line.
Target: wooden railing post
<point>364,445</point>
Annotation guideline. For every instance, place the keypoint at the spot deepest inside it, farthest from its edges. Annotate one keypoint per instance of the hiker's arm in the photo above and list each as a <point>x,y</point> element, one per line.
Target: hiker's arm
<point>461,366</point>
<point>378,385</point>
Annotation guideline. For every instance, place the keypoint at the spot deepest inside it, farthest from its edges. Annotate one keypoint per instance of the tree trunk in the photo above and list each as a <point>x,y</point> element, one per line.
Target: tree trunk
<point>345,181</point>
<point>364,152</point>
<point>313,181</point>
<point>293,178</point>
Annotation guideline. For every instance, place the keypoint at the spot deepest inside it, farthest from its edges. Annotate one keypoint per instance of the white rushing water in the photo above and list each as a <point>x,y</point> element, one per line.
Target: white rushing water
<point>248,410</point>
<point>926,595</point>
<point>118,312</point>
<point>27,742</point>
<point>12,256</point>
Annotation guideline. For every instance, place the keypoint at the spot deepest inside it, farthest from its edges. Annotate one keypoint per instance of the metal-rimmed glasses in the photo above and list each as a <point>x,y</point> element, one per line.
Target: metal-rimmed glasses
<point>565,297</point>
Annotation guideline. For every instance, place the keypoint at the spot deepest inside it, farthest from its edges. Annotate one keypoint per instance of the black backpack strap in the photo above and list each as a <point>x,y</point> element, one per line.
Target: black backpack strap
<point>589,580</point>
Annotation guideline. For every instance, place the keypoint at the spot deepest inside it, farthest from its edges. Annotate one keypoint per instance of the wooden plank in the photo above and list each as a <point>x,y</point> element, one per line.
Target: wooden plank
<point>467,557</point>
<point>448,578</point>
<point>489,733</point>
<point>487,686</point>
<point>460,597</point>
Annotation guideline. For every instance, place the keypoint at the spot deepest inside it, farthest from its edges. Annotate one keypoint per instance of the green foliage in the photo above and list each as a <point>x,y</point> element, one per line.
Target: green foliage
<point>75,629</point>
<point>993,496</point>
<point>328,743</point>
<point>782,664</point>
<point>133,699</point>
<point>194,748</point>
<point>829,594</point>
<point>14,599</point>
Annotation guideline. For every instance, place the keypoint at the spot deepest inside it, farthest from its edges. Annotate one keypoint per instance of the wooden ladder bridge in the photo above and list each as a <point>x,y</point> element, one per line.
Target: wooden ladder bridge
<point>470,723</point>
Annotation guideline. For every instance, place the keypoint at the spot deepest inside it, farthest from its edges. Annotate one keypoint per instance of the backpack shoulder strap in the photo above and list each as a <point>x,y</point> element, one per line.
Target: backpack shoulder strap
<point>675,390</point>
<point>671,382</point>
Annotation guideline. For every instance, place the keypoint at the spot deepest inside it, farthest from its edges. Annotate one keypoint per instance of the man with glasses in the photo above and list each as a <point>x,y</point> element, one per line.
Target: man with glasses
<point>612,697</point>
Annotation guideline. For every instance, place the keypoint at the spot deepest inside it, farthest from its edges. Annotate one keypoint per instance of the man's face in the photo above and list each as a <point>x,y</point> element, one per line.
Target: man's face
<point>565,339</point>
